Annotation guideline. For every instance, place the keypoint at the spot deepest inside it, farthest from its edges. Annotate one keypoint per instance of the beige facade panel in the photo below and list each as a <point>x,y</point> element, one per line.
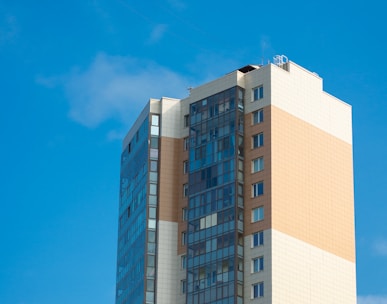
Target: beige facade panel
<point>312,185</point>
<point>305,274</point>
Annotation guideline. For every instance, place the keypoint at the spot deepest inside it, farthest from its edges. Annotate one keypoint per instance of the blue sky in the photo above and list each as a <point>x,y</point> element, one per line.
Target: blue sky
<point>73,77</point>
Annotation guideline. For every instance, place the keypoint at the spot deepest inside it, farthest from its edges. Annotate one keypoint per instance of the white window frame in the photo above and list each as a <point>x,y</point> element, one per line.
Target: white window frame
<point>186,121</point>
<point>155,120</point>
<point>185,166</point>
<point>259,115</point>
<point>257,214</point>
<point>257,93</point>
<point>183,262</point>
<point>260,140</point>
<point>185,190</point>
<point>184,214</point>
<point>259,262</point>
<point>260,239</point>
<point>260,290</point>
<point>257,165</point>
<point>255,189</point>
<point>183,286</point>
<point>186,143</point>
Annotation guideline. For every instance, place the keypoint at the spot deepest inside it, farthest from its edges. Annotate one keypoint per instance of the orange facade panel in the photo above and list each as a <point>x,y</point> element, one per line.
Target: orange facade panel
<point>312,185</point>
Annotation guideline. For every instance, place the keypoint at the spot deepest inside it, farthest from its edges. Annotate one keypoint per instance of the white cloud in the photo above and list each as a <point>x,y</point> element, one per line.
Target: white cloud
<point>116,135</point>
<point>372,299</point>
<point>49,82</point>
<point>9,28</point>
<point>116,87</point>
<point>157,33</point>
<point>380,247</point>
<point>177,4</point>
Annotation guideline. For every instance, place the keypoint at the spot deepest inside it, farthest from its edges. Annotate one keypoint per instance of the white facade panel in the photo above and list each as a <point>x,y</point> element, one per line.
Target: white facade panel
<point>184,108</point>
<point>167,263</point>
<point>265,275</point>
<point>221,84</point>
<point>253,79</point>
<point>299,92</point>
<point>305,274</point>
<point>170,113</point>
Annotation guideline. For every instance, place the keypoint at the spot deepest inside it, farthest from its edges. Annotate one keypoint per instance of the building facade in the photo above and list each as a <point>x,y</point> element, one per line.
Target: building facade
<point>240,193</point>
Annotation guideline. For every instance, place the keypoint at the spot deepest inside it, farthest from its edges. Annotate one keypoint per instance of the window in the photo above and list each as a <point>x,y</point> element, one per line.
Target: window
<point>183,262</point>
<point>151,224</point>
<point>183,286</point>
<point>184,238</point>
<point>150,285</point>
<point>185,214</point>
<point>155,130</point>
<point>150,297</point>
<point>257,189</point>
<point>209,221</point>
<point>154,153</point>
<point>257,264</point>
<point>186,121</point>
<point>153,189</point>
<point>154,143</point>
<point>258,140</point>
<point>257,239</point>
<point>257,290</point>
<point>258,116</point>
<point>185,190</point>
<point>155,120</point>
<point>186,142</point>
<point>185,167</point>
<point>257,164</point>
<point>257,214</point>
<point>153,165</point>
<point>258,93</point>
<point>152,212</point>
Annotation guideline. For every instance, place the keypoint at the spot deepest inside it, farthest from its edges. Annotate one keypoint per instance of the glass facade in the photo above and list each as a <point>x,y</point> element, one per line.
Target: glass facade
<point>215,213</point>
<point>136,258</point>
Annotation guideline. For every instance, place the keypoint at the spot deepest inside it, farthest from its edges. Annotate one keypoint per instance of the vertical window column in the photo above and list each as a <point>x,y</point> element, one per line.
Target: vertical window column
<point>152,208</point>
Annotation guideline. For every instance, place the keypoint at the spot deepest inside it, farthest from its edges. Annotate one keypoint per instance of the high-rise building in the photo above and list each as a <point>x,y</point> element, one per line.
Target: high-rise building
<point>240,193</point>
